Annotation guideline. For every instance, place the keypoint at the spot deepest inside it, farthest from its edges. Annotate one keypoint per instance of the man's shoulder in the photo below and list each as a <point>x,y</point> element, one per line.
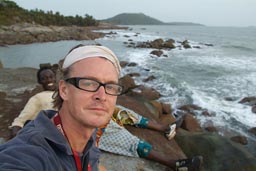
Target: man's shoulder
<point>18,155</point>
<point>20,147</point>
<point>18,144</point>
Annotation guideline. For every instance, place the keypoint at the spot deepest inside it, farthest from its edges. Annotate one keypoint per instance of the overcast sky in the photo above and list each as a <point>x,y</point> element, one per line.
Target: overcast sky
<point>207,12</point>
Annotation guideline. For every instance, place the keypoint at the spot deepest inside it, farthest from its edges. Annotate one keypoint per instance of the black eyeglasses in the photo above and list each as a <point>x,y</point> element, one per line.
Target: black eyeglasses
<point>91,85</point>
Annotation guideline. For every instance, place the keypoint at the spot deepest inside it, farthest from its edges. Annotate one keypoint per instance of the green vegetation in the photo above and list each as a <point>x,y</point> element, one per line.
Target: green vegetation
<point>11,13</point>
<point>142,19</point>
<point>133,19</point>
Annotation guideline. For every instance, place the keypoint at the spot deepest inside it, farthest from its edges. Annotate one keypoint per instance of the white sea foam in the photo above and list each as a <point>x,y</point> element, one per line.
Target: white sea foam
<point>202,76</point>
<point>124,35</point>
<point>225,111</point>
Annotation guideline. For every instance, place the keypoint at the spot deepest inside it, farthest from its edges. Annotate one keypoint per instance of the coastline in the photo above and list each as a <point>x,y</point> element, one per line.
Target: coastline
<point>191,142</point>
<point>190,139</point>
<point>26,33</point>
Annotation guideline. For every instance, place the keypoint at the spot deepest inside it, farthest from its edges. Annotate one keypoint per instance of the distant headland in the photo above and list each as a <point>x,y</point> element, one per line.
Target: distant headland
<point>142,19</point>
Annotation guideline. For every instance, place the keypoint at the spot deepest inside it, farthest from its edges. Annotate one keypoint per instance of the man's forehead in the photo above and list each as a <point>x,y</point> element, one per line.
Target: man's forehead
<point>84,52</point>
<point>97,68</point>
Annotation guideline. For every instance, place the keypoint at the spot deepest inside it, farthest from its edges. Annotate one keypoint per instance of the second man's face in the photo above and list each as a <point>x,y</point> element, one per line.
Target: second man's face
<point>48,80</point>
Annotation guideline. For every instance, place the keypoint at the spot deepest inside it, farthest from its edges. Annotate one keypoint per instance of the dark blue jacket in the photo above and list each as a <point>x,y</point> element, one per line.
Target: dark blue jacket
<point>40,146</point>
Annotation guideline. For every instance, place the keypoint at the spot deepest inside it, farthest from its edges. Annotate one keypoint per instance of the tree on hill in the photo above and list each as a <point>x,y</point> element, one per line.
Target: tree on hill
<point>133,19</point>
<point>11,13</point>
<point>142,19</point>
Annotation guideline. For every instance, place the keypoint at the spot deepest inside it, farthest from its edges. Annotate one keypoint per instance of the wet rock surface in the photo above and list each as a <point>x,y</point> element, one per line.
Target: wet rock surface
<point>219,152</point>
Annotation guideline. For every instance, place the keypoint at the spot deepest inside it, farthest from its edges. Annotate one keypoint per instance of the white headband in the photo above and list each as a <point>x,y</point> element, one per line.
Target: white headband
<point>88,52</point>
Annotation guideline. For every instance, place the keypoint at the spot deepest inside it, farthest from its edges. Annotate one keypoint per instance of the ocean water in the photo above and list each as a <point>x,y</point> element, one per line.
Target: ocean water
<point>205,76</point>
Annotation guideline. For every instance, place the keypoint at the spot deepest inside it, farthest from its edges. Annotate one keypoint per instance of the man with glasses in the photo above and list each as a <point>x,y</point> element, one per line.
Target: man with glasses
<point>65,139</point>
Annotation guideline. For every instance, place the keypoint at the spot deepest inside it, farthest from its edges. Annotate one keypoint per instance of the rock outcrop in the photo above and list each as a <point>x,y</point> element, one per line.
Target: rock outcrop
<point>25,33</point>
<point>219,152</point>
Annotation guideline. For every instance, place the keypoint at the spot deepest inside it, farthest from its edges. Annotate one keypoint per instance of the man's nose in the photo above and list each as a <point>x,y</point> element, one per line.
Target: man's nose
<point>100,94</point>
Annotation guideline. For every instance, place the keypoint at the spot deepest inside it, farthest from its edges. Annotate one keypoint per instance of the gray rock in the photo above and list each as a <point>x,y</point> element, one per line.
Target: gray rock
<point>113,162</point>
<point>219,153</point>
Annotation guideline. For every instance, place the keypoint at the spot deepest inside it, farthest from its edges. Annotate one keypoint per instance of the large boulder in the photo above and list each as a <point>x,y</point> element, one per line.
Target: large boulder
<point>191,124</point>
<point>253,109</point>
<point>252,130</point>
<point>128,83</point>
<point>114,162</point>
<point>248,100</point>
<point>169,44</point>
<point>220,153</point>
<point>157,53</point>
<point>160,143</point>
<point>186,44</point>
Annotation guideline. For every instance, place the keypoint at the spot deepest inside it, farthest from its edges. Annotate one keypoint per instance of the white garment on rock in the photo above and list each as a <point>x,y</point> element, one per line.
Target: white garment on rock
<point>38,102</point>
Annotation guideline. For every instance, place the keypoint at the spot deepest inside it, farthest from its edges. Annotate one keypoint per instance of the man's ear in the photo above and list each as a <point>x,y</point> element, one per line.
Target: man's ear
<point>63,89</point>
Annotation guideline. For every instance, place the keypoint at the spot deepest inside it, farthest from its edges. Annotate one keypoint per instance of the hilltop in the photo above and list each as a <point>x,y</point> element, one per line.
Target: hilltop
<point>133,19</point>
<point>11,13</point>
<point>141,19</point>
